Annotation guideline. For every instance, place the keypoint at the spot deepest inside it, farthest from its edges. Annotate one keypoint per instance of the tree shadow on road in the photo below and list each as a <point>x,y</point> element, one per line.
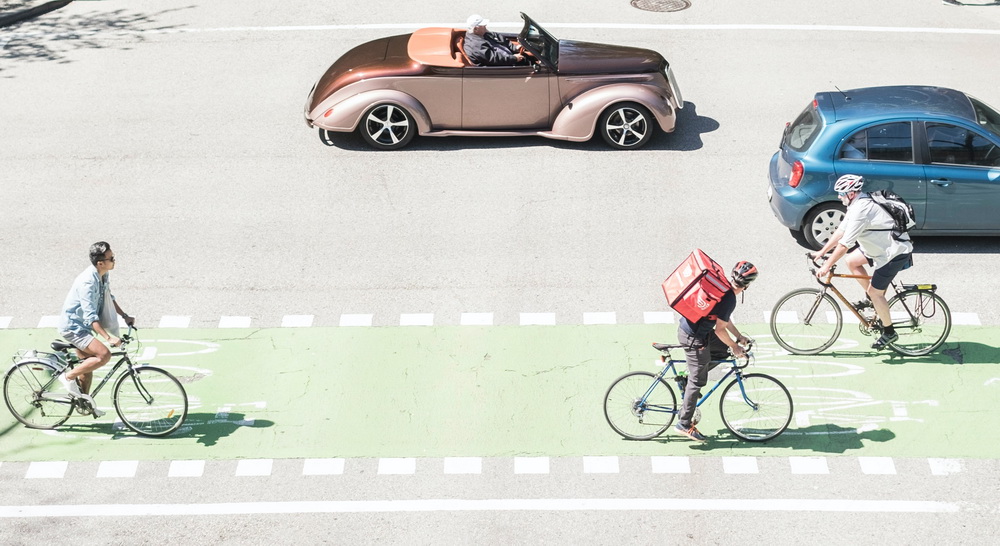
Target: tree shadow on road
<point>827,438</point>
<point>52,37</point>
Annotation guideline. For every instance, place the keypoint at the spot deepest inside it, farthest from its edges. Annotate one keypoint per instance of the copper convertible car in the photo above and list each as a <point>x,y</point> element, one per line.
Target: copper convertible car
<point>421,83</point>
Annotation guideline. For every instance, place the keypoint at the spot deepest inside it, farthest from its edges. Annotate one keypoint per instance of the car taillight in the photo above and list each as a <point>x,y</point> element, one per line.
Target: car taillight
<point>796,177</point>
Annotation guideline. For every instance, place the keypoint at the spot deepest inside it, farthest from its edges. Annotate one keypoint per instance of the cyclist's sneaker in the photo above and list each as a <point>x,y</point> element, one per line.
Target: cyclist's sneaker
<point>863,304</point>
<point>70,385</point>
<point>89,406</point>
<point>690,432</point>
<point>884,340</point>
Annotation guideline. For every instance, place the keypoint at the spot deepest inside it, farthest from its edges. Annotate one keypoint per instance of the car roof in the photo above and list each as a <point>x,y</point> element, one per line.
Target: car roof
<point>899,100</point>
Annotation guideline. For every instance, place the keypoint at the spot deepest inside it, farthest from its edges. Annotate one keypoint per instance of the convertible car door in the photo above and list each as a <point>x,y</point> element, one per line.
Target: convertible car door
<point>964,179</point>
<point>505,97</point>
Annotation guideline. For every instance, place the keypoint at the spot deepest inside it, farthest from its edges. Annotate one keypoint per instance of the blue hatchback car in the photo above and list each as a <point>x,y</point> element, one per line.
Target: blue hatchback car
<point>938,148</point>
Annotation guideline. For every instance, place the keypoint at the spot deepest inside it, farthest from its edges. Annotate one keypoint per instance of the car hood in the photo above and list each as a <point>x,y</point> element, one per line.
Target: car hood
<point>377,58</point>
<point>591,58</point>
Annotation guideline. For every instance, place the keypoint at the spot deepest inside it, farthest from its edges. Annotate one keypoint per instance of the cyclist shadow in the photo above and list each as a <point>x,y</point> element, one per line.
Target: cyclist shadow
<point>207,428</point>
<point>960,352</point>
<point>816,438</point>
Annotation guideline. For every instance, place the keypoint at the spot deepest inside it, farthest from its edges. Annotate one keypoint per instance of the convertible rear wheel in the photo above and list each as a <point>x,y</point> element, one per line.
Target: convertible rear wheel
<point>626,126</point>
<point>387,127</point>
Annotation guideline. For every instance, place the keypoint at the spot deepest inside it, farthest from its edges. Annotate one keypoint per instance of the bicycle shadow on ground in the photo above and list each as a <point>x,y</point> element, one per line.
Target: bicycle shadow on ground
<point>816,439</point>
<point>207,428</point>
<point>950,354</point>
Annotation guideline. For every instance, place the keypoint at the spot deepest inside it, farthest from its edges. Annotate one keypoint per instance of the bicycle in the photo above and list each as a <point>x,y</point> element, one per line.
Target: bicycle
<point>148,400</point>
<point>642,405</point>
<point>808,321</point>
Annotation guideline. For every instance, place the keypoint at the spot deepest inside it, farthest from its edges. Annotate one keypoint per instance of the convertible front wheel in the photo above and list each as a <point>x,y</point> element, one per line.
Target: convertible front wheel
<point>626,126</point>
<point>387,127</point>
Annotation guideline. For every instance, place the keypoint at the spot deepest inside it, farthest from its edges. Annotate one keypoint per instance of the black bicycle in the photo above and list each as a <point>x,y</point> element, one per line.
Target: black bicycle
<point>148,400</point>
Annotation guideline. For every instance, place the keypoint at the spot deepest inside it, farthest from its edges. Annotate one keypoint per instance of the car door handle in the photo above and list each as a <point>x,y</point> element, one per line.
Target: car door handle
<point>943,182</point>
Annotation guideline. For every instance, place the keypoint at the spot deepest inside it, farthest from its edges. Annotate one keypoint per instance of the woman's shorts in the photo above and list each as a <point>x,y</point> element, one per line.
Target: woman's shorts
<point>80,341</point>
<point>885,274</point>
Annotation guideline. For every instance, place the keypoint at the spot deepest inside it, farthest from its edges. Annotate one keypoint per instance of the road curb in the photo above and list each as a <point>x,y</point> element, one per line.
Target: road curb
<point>11,18</point>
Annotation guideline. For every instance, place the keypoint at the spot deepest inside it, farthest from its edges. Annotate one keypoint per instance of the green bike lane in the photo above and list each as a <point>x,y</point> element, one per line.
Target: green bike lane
<point>494,391</point>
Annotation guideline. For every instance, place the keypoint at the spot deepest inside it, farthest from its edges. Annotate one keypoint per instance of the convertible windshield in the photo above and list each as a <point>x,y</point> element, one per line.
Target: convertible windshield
<point>986,116</point>
<point>539,41</point>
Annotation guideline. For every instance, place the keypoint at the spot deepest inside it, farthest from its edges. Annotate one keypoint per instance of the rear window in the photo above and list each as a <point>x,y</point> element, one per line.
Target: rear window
<point>804,130</point>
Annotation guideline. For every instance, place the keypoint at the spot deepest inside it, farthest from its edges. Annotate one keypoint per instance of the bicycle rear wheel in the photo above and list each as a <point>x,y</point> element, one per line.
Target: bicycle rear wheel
<point>640,407</point>
<point>922,320</point>
<point>760,410</point>
<point>28,400</point>
<point>150,401</point>
<point>806,321</point>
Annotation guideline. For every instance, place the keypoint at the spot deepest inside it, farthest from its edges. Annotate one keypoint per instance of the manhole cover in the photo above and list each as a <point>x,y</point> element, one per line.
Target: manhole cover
<point>661,5</point>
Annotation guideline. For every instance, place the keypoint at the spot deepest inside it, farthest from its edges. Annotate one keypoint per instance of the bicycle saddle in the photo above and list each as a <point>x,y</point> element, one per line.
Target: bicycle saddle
<point>59,345</point>
<point>665,347</point>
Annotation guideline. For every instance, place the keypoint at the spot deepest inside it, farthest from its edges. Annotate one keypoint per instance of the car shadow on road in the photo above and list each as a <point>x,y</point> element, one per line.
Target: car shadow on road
<point>686,137</point>
<point>66,32</point>
<point>827,438</point>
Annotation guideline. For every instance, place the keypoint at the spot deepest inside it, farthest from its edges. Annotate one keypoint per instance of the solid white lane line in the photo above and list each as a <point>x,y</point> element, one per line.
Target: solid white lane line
<point>322,467</point>
<point>297,321</point>
<point>484,505</point>
<point>477,319</point>
<point>234,322</point>
<point>877,465</point>
<point>117,469</point>
<point>174,321</point>
<point>355,320</point>
<point>531,465</point>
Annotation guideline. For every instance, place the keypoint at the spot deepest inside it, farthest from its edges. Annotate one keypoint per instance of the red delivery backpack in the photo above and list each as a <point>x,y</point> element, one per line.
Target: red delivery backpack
<point>696,286</point>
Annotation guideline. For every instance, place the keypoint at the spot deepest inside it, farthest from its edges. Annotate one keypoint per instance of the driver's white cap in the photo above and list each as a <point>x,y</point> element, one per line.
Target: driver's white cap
<point>474,21</point>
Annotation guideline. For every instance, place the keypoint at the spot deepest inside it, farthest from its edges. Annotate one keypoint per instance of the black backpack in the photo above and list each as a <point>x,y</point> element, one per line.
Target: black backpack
<point>901,211</point>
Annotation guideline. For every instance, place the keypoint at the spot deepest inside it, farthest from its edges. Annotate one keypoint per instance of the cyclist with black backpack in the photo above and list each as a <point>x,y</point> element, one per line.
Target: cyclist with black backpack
<point>869,234</point>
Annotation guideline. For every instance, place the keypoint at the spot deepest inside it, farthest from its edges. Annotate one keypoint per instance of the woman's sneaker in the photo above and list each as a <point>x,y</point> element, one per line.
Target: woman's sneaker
<point>70,385</point>
<point>884,340</point>
<point>690,432</point>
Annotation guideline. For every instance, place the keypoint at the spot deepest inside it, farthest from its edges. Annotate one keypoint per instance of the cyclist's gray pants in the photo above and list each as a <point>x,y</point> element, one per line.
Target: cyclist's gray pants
<point>699,363</point>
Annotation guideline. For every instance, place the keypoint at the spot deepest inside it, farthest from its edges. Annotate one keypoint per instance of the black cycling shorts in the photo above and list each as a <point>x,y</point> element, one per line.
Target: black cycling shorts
<point>885,274</point>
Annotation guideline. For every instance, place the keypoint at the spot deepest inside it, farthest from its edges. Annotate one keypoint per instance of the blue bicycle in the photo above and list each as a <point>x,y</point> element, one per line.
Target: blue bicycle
<point>642,405</point>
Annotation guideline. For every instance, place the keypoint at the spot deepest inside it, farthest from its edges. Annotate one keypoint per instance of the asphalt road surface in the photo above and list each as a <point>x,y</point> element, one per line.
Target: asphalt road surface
<point>176,134</point>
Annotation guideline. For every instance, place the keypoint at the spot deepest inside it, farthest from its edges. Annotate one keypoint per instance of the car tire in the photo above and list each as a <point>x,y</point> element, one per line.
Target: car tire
<point>626,125</point>
<point>820,223</point>
<point>387,126</point>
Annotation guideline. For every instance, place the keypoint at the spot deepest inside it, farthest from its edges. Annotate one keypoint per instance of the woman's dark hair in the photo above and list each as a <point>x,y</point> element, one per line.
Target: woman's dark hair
<point>97,251</point>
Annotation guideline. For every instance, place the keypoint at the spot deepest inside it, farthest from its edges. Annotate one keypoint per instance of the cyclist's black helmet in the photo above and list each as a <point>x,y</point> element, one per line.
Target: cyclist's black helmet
<point>744,273</point>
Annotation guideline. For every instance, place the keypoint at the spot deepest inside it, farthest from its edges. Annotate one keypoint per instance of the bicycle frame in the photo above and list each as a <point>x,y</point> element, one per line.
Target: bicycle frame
<point>670,365</point>
<point>827,284</point>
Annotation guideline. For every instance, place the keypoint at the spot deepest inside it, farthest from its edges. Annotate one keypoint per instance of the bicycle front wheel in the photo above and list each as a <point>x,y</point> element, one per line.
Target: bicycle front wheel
<point>922,320</point>
<point>639,406</point>
<point>28,400</point>
<point>806,321</point>
<point>150,401</point>
<point>756,407</point>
